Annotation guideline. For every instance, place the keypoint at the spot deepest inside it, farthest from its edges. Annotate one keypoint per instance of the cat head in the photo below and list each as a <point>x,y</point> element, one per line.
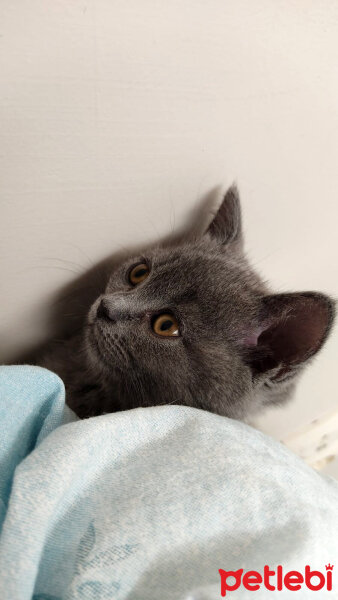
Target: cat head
<point>194,324</point>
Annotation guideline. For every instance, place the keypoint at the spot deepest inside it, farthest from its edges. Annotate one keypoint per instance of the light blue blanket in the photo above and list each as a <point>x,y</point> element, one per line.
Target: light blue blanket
<point>149,504</point>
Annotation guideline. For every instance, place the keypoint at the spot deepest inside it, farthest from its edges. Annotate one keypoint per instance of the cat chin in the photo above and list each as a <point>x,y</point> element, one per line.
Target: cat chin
<point>96,359</point>
<point>103,363</point>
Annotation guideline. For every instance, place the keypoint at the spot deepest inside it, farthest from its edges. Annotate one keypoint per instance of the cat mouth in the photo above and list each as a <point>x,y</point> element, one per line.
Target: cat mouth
<point>107,350</point>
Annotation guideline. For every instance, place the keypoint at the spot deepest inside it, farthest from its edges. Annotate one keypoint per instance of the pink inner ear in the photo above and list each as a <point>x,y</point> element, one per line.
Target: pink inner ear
<point>298,328</point>
<point>300,334</point>
<point>292,330</point>
<point>250,338</point>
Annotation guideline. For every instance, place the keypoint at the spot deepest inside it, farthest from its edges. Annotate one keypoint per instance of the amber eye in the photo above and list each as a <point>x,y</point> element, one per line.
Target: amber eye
<point>166,325</point>
<point>138,273</point>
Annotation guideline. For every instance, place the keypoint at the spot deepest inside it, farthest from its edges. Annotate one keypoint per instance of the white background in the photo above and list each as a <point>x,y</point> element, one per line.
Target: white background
<point>117,118</point>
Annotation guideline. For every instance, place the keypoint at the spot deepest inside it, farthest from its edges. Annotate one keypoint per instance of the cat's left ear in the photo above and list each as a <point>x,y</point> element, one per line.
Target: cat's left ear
<point>226,226</point>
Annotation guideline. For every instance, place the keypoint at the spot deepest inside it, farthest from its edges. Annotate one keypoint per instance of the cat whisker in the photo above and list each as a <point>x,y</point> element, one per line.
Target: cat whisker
<point>56,267</point>
<point>63,260</point>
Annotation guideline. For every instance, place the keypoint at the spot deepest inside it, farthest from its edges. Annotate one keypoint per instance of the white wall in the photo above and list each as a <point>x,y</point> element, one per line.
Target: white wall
<point>117,117</point>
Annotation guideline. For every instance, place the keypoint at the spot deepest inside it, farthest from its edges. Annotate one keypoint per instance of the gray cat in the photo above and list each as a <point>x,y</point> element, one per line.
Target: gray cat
<point>195,325</point>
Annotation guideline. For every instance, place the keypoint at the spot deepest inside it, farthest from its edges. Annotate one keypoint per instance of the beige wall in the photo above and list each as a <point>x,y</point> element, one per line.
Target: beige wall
<point>117,117</point>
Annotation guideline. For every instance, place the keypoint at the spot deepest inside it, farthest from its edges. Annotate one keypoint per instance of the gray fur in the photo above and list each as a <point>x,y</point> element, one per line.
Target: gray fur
<point>240,348</point>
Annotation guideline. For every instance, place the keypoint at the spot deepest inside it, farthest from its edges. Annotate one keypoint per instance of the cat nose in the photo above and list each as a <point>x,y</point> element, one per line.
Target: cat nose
<point>103,311</point>
<point>112,309</point>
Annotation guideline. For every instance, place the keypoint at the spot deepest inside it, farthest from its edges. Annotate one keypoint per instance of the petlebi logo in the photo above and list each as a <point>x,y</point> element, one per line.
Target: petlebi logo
<point>276,579</point>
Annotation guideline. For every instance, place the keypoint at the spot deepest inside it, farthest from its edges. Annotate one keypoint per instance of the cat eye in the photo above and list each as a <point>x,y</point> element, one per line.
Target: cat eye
<point>166,325</point>
<point>138,273</point>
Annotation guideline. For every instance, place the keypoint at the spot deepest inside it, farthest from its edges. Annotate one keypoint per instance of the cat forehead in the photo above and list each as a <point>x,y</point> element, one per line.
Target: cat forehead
<point>194,274</point>
<point>201,264</point>
<point>188,260</point>
<point>176,272</point>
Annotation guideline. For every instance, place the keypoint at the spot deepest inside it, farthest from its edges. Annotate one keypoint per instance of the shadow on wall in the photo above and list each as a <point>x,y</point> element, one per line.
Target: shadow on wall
<point>68,310</point>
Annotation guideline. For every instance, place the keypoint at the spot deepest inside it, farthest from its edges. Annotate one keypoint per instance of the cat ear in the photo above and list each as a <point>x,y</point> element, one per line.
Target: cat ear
<point>292,329</point>
<point>226,225</point>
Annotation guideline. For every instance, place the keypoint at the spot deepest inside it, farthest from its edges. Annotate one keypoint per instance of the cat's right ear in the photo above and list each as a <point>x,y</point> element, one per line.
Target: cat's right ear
<point>291,329</point>
<point>226,226</point>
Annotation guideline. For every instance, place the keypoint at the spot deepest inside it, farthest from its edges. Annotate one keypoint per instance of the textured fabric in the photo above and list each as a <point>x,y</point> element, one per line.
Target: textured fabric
<point>148,504</point>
